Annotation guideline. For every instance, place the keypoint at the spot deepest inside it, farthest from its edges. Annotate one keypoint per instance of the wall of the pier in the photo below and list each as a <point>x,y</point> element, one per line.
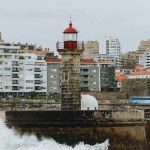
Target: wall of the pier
<point>125,130</point>
<point>28,105</point>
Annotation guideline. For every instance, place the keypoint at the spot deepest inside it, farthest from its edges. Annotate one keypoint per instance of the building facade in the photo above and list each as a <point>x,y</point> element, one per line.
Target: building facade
<point>113,47</point>
<point>94,76</point>
<point>21,74</point>
<point>130,59</point>
<point>144,59</point>
<point>106,57</point>
<point>91,48</point>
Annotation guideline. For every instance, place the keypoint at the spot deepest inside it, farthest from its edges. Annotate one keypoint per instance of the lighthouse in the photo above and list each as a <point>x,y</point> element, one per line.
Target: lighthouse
<point>70,50</point>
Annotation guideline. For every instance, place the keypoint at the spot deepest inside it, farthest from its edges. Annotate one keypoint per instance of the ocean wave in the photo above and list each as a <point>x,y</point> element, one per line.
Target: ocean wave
<point>10,140</point>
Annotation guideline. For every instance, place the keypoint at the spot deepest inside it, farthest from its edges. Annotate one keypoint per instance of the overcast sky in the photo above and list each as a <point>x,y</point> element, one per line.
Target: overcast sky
<point>43,21</point>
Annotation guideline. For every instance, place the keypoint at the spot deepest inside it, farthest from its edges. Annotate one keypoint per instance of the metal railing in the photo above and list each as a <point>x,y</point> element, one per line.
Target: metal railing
<point>60,45</point>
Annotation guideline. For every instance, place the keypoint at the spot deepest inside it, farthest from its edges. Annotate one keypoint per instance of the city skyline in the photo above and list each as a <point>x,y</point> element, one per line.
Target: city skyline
<point>42,23</point>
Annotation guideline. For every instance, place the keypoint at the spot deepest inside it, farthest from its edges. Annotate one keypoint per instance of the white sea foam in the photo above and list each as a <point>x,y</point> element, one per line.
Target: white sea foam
<point>9,140</point>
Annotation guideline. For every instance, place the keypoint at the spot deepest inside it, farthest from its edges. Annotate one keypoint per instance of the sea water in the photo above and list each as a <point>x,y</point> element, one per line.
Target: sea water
<point>10,140</point>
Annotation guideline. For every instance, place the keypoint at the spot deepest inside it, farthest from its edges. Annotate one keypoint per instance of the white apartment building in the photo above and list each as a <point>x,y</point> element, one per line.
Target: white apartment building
<point>144,59</point>
<point>33,74</point>
<point>113,48</point>
<point>21,74</point>
<point>105,57</point>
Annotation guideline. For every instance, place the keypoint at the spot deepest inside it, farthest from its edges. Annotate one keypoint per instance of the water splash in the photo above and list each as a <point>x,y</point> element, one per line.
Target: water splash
<point>11,141</point>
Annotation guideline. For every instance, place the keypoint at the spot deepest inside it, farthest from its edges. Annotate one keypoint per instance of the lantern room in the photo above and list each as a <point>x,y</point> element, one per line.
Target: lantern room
<point>70,37</point>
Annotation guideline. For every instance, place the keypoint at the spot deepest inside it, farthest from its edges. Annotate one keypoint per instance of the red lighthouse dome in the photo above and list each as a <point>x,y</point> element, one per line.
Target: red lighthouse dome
<point>70,29</point>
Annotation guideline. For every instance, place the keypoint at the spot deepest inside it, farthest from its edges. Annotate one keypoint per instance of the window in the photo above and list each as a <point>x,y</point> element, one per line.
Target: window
<point>29,87</point>
<point>53,88</point>
<point>7,69</point>
<point>53,82</point>
<point>93,70</point>
<point>53,76</point>
<point>53,70</point>
<point>7,87</point>
<point>20,87</point>
<point>20,69</point>
<point>93,82</point>
<point>29,81</point>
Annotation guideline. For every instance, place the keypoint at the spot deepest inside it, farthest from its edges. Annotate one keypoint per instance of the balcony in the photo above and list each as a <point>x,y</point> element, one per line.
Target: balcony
<point>37,70</point>
<point>37,82</point>
<point>15,70</point>
<point>15,88</point>
<point>15,64</point>
<point>84,72</point>
<point>37,88</point>
<point>15,82</point>
<point>84,83</point>
<point>15,76</point>
<point>37,76</point>
<point>85,77</point>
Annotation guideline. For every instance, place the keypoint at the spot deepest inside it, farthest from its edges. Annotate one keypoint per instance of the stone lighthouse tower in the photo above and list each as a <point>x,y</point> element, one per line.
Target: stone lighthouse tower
<point>70,51</point>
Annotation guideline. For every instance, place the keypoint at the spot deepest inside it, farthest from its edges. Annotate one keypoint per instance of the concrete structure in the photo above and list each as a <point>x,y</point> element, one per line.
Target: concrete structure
<point>113,47</point>
<point>70,69</point>
<point>88,102</point>
<point>91,48</point>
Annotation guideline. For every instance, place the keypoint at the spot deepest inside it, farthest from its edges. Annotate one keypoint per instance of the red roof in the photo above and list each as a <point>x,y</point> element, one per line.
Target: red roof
<point>70,29</point>
<point>141,72</point>
<point>105,62</point>
<point>86,61</point>
<point>53,60</point>
<point>82,61</point>
<point>118,74</point>
<point>120,78</point>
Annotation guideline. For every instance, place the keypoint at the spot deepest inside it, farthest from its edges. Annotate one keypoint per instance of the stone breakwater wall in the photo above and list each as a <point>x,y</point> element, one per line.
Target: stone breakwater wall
<point>108,95</point>
<point>28,105</point>
<point>124,129</point>
<point>129,87</point>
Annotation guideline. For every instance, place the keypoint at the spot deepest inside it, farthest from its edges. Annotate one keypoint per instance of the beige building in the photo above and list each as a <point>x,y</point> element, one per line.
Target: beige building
<point>91,48</point>
<point>130,59</point>
<point>144,46</point>
<point>28,48</point>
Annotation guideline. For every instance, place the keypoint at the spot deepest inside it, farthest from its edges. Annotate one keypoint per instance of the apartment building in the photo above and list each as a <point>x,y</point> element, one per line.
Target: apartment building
<point>21,74</point>
<point>144,59</point>
<point>105,57</point>
<point>94,76</point>
<point>113,47</point>
<point>33,74</point>
<point>130,59</point>
<point>144,46</point>
<point>53,75</point>
<point>91,48</point>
